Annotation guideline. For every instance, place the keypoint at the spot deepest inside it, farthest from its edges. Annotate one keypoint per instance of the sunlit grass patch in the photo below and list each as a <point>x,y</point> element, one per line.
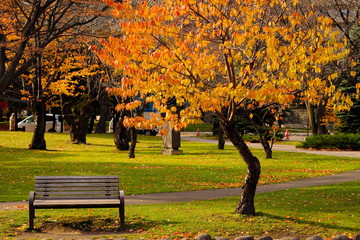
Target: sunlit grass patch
<point>323,210</point>
<point>202,166</point>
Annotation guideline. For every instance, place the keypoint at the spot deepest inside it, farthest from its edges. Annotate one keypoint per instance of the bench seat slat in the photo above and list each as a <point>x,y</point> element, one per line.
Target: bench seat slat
<point>77,203</point>
<point>77,197</point>
<point>77,177</point>
<point>78,181</point>
<point>78,193</point>
<point>58,189</point>
<point>77,185</point>
<point>52,192</point>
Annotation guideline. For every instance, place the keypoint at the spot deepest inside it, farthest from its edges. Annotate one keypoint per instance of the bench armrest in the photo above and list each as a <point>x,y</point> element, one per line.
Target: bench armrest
<point>122,208</point>
<point>31,210</point>
<point>122,197</point>
<point>31,199</point>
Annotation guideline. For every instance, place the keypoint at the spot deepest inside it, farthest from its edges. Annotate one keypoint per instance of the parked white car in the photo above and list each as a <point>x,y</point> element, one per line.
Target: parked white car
<point>148,132</point>
<point>28,124</point>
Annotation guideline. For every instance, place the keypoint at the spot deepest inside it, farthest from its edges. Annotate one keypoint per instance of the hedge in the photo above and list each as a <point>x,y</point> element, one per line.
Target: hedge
<point>333,142</point>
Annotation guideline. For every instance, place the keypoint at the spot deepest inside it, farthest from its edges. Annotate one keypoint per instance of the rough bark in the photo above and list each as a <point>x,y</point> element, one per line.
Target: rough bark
<point>265,144</point>
<point>267,147</point>
<point>82,123</point>
<point>121,136</point>
<point>92,123</point>
<point>221,141</point>
<point>70,119</point>
<point>104,112</point>
<point>133,137</point>
<point>321,125</point>
<point>312,120</point>
<point>246,204</point>
<point>316,116</point>
<point>78,128</point>
<point>38,140</point>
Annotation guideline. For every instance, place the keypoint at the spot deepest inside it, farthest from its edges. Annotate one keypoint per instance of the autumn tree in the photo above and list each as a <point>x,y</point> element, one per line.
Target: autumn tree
<point>344,15</point>
<point>29,32</point>
<point>49,20</point>
<point>127,119</point>
<point>216,55</point>
<point>79,111</point>
<point>264,120</point>
<point>57,74</point>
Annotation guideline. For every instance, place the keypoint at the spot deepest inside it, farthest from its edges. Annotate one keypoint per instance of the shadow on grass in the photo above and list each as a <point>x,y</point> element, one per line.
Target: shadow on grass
<point>310,223</point>
<point>98,224</point>
<point>14,153</point>
<point>100,145</point>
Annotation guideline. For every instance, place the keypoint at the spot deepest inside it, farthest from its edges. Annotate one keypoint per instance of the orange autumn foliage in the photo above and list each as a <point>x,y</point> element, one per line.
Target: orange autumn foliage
<point>218,55</point>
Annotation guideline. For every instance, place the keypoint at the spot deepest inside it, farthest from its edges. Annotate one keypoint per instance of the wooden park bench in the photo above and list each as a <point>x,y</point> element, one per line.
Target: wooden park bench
<point>53,192</point>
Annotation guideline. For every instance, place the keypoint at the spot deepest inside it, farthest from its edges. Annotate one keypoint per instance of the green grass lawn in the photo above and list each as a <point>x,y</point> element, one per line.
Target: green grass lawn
<point>202,166</point>
<point>324,211</point>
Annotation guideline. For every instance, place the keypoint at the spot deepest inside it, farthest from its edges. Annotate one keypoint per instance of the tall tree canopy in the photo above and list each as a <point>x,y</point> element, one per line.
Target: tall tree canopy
<point>219,55</point>
<point>27,27</point>
<point>346,17</point>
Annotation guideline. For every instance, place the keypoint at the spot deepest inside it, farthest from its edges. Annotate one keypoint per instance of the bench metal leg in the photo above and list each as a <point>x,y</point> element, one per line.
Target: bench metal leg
<point>31,210</point>
<point>31,218</point>
<point>122,208</point>
<point>122,216</point>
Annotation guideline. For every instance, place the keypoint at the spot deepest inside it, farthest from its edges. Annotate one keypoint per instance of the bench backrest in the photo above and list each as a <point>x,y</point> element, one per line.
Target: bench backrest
<point>76,187</point>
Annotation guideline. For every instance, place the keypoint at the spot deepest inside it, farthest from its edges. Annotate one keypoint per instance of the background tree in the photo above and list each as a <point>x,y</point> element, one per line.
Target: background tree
<point>345,15</point>
<point>80,111</point>
<point>214,56</point>
<point>23,21</point>
<point>259,124</point>
<point>264,121</point>
<point>56,74</point>
<point>30,32</point>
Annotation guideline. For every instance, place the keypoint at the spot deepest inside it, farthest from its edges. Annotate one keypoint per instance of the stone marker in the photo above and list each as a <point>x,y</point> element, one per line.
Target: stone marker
<point>171,141</point>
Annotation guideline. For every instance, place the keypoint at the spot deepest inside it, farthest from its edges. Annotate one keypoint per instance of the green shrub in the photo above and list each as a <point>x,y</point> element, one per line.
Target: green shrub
<point>253,138</point>
<point>338,141</point>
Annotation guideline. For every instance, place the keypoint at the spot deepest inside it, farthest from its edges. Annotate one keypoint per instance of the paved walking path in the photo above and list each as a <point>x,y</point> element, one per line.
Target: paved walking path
<point>280,147</point>
<point>158,198</point>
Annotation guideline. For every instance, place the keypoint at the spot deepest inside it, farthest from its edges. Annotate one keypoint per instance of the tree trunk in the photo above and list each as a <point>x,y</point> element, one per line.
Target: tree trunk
<point>70,119</point>
<point>321,125</point>
<point>82,123</point>
<point>263,136</point>
<point>267,147</point>
<point>104,112</point>
<point>133,136</point>
<point>121,136</point>
<point>312,119</point>
<point>316,116</point>
<point>221,141</point>
<point>38,140</point>
<point>79,128</point>
<point>121,133</point>
<point>246,204</point>
<point>92,123</point>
